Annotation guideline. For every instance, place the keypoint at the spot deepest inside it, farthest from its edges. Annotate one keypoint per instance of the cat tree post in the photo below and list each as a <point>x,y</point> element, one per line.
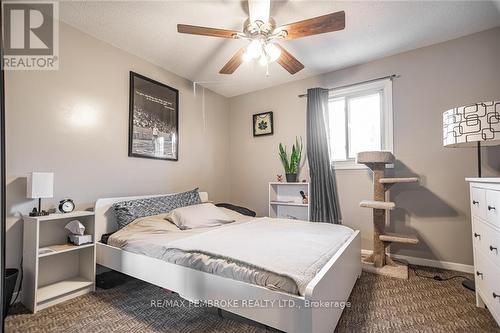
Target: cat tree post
<point>379,262</point>
<point>378,215</point>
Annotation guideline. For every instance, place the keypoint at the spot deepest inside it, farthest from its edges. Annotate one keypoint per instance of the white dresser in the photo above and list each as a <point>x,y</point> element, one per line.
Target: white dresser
<point>485,212</point>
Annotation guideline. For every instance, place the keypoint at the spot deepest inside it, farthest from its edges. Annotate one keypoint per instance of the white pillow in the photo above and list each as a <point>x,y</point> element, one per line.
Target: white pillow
<point>198,216</point>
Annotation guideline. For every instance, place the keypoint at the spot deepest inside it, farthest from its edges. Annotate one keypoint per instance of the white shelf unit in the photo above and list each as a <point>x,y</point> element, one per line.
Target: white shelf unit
<point>65,273</point>
<point>285,200</point>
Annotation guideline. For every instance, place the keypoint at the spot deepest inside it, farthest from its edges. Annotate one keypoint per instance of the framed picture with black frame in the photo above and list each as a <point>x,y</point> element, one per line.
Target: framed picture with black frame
<point>153,119</point>
<point>263,124</point>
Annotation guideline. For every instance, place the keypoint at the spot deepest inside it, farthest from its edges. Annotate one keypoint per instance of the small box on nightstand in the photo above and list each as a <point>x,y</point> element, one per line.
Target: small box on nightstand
<point>80,239</point>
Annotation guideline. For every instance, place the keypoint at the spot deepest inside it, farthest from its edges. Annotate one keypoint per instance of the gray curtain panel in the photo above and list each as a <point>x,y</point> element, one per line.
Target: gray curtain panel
<point>324,198</point>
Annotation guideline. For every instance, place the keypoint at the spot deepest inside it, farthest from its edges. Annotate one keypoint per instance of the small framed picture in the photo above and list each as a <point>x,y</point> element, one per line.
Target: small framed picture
<point>263,124</point>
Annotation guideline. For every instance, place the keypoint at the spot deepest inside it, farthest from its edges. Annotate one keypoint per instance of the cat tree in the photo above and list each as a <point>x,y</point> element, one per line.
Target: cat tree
<point>379,262</point>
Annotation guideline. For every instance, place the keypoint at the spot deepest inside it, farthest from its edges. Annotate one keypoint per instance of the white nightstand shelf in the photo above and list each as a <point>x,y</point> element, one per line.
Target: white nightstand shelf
<point>285,200</point>
<point>66,271</point>
<point>62,288</point>
<point>63,248</point>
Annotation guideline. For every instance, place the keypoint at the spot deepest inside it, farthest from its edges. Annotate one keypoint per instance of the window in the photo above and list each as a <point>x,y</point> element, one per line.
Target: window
<point>360,119</point>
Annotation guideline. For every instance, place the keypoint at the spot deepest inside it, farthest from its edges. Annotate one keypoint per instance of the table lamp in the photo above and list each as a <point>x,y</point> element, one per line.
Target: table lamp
<point>40,185</point>
<point>472,126</point>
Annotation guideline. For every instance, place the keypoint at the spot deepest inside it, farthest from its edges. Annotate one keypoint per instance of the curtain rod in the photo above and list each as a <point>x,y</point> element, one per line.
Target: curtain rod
<point>393,76</point>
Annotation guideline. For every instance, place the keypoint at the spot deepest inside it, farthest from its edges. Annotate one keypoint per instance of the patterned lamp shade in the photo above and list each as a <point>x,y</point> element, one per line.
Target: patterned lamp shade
<point>465,126</point>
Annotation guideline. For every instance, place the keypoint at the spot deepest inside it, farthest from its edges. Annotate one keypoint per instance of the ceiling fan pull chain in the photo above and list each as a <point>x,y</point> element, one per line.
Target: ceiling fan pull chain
<point>267,69</point>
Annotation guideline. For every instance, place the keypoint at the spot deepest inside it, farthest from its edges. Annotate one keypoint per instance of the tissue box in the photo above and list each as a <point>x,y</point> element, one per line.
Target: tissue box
<point>80,239</point>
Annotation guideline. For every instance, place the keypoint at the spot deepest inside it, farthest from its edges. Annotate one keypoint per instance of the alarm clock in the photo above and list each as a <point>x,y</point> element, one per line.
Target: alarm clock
<point>66,206</point>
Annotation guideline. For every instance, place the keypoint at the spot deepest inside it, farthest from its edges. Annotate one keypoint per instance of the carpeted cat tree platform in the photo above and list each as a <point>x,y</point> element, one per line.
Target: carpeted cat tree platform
<point>379,262</point>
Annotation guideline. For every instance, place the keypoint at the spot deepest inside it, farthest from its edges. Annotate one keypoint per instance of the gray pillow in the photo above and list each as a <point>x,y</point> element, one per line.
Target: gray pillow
<point>128,211</point>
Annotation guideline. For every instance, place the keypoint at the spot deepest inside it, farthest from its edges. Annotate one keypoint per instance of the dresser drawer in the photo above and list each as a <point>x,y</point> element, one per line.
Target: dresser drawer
<point>479,235</point>
<point>480,274</point>
<point>488,283</point>
<point>493,207</point>
<point>486,240</point>
<point>478,202</point>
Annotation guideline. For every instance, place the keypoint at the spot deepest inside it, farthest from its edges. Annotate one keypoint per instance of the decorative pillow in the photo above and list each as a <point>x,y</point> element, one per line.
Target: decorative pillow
<point>198,216</point>
<point>128,211</point>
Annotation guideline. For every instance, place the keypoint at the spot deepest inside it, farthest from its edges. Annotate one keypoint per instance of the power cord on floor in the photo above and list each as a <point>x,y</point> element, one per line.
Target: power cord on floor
<point>437,277</point>
<point>434,277</point>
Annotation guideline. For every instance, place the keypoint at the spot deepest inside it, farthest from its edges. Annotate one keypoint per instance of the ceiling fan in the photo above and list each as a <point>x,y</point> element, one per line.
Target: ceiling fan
<point>262,33</point>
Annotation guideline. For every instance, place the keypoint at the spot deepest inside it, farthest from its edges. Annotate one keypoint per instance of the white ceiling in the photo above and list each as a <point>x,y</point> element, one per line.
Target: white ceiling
<point>374,29</point>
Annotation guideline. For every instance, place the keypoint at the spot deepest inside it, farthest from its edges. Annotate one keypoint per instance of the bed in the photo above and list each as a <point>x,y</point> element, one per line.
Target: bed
<point>260,287</point>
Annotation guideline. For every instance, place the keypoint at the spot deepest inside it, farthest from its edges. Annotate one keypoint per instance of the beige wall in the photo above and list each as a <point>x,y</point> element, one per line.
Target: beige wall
<point>433,79</point>
<point>74,122</point>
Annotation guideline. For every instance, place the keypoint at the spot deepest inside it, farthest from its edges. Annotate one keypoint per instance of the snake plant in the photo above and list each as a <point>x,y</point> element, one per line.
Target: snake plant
<point>291,165</point>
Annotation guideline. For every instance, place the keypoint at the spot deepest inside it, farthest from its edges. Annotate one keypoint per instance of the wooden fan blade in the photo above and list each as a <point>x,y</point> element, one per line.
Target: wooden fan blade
<point>315,26</point>
<point>204,31</point>
<point>233,63</point>
<point>288,61</point>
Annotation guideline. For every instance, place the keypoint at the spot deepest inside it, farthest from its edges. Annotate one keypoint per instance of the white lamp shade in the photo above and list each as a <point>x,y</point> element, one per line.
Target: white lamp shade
<point>40,185</point>
<point>465,126</point>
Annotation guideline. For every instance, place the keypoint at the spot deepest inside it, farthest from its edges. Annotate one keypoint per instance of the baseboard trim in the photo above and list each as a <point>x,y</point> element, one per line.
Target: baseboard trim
<point>429,262</point>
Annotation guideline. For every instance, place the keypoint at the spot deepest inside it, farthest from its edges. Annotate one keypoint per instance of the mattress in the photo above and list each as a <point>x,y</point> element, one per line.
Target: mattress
<point>252,259</point>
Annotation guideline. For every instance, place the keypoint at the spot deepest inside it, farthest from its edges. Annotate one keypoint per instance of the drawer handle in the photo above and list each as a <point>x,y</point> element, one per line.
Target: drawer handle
<point>474,202</point>
<point>477,235</point>
<point>491,208</point>
<point>478,273</point>
<point>493,248</point>
<point>495,295</point>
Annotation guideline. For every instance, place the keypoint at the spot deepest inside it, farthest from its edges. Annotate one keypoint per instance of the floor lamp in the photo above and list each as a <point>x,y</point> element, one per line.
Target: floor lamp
<point>472,125</point>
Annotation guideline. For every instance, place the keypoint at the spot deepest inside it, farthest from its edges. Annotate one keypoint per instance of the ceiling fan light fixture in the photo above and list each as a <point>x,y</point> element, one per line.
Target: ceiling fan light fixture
<point>254,49</point>
<point>272,51</point>
<point>265,52</point>
<point>247,57</point>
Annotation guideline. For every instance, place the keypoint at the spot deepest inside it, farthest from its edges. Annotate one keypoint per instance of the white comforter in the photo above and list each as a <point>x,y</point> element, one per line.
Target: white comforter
<point>275,253</point>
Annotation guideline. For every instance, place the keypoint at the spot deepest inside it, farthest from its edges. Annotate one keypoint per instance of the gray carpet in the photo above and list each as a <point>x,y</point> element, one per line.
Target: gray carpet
<point>379,304</point>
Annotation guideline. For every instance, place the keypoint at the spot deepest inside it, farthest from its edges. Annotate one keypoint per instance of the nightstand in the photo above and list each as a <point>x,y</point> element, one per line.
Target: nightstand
<point>54,270</point>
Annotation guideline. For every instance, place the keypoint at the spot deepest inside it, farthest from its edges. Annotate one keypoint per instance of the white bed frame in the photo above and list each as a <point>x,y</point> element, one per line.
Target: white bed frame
<point>290,313</point>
